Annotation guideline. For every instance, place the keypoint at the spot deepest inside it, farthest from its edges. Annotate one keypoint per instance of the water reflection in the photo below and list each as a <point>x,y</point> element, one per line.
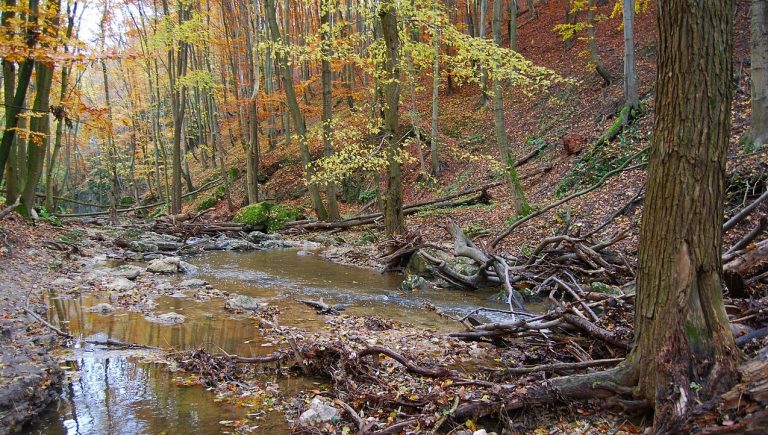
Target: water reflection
<point>117,395</point>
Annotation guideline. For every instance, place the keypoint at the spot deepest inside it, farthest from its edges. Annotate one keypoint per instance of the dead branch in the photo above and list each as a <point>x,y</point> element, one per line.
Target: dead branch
<point>624,166</point>
<point>323,308</point>
<point>439,372</point>
<point>8,210</point>
<point>560,366</point>
<point>738,217</point>
<point>762,224</point>
<point>595,331</point>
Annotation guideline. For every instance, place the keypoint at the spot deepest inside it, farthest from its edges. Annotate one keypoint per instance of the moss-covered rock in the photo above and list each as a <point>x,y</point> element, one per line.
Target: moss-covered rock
<point>254,215</point>
<point>281,214</point>
<point>272,217</point>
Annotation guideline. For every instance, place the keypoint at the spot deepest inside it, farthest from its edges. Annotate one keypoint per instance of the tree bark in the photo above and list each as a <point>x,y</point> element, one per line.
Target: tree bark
<point>298,118</point>
<point>327,117</point>
<point>519,203</point>
<point>394,220</point>
<point>759,72</point>
<point>684,351</point>
<point>630,65</point>
<point>434,145</point>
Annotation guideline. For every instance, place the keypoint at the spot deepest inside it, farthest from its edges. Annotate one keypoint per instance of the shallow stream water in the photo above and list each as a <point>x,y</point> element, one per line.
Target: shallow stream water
<point>115,392</point>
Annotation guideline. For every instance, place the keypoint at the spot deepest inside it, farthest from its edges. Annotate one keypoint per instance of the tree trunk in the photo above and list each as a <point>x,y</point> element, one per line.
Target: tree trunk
<point>594,53</point>
<point>685,352</point>
<point>394,220</point>
<point>483,70</point>
<point>513,24</point>
<point>519,203</point>
<point>327,117</point>
<point>434,145</point>
<point>298,118</point>
<point>23,78</point>
<point>630,65</point>
<point>759,72</point>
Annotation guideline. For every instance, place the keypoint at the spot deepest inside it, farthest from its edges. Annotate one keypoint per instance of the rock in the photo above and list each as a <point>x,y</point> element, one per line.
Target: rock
<point>128,272</point>
<point>228,244</point>
<point>103,308</point>
<point>318,414</point>
<point>142,246</point>
<point>417,265</point>
<point>464,266</point>
<point>187,268</point>
<point>193,283</point>
<point>574,143</point>
<point>164,265</point>
<point>62,282</point>
<point>413,282</point>
<point>303,253</point>
<point>258,237</point>
<point>121,284</point>
<point>480,432</point>
<point>151,256</point>
<point>244,303</point>
<point>167,318</point>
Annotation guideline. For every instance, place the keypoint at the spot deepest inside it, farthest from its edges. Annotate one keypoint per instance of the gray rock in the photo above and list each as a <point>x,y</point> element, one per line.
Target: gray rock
<point>303,253</point>
<point>121,284</point>
<point>187,268</point>
<point>103,308</point>
<point>318,414</point>
<point>193,283</point>
<point>166,318</point>
<point>413,282</point>
<point>164,265</point>
<point>244,303</point>
<point>128,271</point>
<point>464,266</point>
<point>142,246</point>
<point>151,256</point>
<point>228,244</point>
<point>63,282</point>
<point>258,237</point>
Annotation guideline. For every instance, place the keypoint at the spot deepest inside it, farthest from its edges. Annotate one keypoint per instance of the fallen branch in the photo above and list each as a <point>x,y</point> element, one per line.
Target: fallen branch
<point>738,217</point>
<point>624,166</point>
<point>8,210</point>
<point>560,366</point>
<point>595,331</point>
<point>439,372</point>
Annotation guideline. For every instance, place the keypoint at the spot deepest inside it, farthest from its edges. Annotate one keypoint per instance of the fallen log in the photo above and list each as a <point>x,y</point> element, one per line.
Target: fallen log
<point>8,210</point>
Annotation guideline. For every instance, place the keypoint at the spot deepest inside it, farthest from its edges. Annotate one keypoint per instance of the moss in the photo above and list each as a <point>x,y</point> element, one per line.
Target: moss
<point>254,215</point>
<point>207,202</point>
<point>270,216</point>
<point>281,215</point>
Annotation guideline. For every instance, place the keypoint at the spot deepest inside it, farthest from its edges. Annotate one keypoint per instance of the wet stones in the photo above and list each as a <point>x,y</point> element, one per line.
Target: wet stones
<point>166,318</point>
<point>193,283</point>
<point>168,265</point>
<point>103,309</point>
<point>121,284</point>
<point>318,414</point>
<point>244,303</point>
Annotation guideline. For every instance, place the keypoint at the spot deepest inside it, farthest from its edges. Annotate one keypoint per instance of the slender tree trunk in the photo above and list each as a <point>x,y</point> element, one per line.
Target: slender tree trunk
<point>513,24</point>
<point>759,72</point>
<point>483,70</point>
<point>394,220</point>
<point>684,351</point>
<point>434,145</point>
<point>23,78</point>
<point>630,65</point>
<point>298,118</point>
<point>519,203</point>
<point>594,53</point>
<point>327,117</point>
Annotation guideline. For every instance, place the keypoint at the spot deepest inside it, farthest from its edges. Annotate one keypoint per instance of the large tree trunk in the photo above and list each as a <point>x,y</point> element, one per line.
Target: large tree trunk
<point>519,203</point>
<point>394,220</point>
<point>434,145</point>
<point>298,118</point>
<point>594,53</point>
<point>684,352</point>
<point>759,72</point>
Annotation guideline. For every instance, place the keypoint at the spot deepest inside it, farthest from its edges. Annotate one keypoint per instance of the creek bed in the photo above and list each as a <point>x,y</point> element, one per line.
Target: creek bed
<point>110,391</point>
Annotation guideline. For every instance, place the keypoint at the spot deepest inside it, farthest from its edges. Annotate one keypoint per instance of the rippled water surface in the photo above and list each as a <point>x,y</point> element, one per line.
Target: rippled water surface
<point>113,392</point>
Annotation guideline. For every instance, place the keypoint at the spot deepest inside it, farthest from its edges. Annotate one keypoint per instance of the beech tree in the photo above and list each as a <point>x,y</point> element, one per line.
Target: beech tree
<point>759,72</point>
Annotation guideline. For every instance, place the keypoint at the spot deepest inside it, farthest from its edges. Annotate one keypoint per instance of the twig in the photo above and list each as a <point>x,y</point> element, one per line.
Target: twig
<point>362,426</point>
<point>46,323</point>
<point>560,366</point>
<point>439,372</point>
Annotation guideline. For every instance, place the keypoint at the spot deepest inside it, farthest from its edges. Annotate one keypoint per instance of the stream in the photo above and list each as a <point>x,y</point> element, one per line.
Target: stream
<point>118,391</point>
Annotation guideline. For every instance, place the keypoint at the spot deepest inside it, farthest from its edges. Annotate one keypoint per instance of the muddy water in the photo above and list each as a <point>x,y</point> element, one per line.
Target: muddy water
<point>116,392</point>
